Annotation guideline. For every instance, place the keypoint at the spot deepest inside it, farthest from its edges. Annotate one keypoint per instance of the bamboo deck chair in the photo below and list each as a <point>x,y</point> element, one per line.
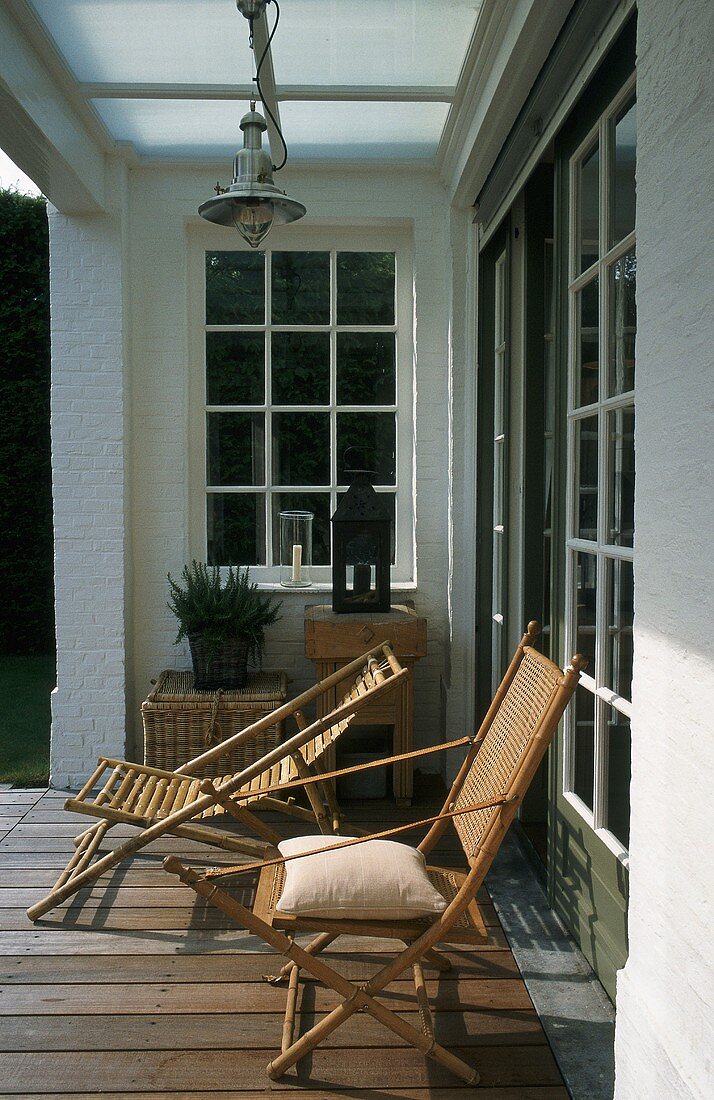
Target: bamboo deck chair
<point>498,768</point>
<point>178,803</point>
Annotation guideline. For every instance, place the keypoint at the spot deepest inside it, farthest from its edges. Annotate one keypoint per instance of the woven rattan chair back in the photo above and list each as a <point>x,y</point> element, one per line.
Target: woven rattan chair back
<point>509,736</point>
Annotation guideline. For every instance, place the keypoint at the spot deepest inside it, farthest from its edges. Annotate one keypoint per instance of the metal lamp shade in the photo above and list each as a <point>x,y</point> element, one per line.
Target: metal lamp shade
<point>252,204</point>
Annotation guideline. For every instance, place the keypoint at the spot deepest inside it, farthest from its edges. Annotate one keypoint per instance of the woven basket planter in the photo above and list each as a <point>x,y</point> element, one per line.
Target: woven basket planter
<point>225,668</point>
<point>180,722</point>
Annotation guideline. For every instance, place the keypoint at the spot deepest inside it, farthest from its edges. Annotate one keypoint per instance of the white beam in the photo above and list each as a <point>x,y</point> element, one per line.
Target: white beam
<point>363,93</point>
<point>511,41</point>
<point>40,129</point>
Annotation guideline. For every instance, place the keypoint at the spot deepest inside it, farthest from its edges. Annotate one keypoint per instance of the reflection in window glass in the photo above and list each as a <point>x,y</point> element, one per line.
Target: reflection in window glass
<point>301,448</point>
<point>620,619</point>
<point>621,475</point>
<point>366,368</point>
<point>623,325</point>
<point>235,368</point>
<point>623,185</point>
<point>586,452</point>
<point>300,368</point>
<point>373,435</point>
<point>584,745</point>
<point>365,288</point>
<point>300,288</point>
<point>587,372</point>
<point>235,288</point>
<point>319,505</point>
<point>236,448</point>
<point>236,528</point>
<point>619,753</point>
<point>589,208</point>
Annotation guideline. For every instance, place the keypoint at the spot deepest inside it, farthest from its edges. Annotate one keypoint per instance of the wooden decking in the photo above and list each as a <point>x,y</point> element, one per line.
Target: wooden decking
<point>137,991</point>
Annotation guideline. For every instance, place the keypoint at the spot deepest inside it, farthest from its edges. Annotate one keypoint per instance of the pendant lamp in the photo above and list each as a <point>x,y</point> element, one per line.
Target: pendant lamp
<point>252,203</point>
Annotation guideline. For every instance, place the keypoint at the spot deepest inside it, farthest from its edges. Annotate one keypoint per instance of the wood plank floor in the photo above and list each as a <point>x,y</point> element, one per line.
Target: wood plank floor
<point>137,990</point>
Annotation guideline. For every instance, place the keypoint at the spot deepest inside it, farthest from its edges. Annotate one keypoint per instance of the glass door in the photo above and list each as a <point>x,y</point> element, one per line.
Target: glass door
<point>596,162</point>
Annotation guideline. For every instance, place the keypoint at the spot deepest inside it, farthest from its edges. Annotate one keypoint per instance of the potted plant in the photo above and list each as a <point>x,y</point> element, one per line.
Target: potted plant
<point>224,623</point>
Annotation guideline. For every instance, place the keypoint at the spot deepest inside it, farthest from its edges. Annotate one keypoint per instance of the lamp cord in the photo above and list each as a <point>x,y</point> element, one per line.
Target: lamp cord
<point>256,78</point>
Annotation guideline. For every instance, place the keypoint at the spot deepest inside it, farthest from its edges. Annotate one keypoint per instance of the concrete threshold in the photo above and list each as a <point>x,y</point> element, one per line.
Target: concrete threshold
<point>576,1013</point>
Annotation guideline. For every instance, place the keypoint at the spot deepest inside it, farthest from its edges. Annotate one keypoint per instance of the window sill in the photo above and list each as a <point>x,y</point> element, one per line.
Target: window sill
<point>322,586</point>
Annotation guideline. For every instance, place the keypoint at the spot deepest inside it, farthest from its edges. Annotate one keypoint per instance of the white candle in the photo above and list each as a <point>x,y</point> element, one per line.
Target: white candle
<point>297,562</point>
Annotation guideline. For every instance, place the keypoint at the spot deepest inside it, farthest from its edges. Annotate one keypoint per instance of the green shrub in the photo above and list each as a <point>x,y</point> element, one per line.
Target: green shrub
<point>26,550</point>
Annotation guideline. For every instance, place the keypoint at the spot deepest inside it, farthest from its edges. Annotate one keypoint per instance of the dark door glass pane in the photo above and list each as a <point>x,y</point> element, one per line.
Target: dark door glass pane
<point>301,288</point>
<point>619,746</point>
<point>621,470</point>
<point>586,432</point>
<point>235,368</point>
<point>623,185</point>
<point>374,437</point>
<point>585,607</point>
<point>584,745</point>
<point>235,288</point>
<point>365,288</point>
<point>589,208</point>
<point>587,372</point>
<point>301,368</point>
<point>236,448</point>
<point>236,528</point>
<point>319,505</point>
<point>366,368</point>
<point>620,619</point>
<point>301,448</point>
<point>623,325</point>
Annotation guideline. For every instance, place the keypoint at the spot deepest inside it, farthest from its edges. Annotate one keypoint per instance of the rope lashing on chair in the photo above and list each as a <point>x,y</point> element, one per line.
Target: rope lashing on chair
<point>244,868</point>
<point>208,786</point>
<point>209,737</point>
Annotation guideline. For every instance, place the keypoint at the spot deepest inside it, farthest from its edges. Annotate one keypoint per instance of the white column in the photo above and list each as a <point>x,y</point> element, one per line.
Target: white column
<point>88,406</point>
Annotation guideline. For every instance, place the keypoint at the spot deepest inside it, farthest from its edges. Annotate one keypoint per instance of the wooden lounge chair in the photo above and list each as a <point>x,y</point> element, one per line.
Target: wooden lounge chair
<point>483,800</point>
<point>161,802</point>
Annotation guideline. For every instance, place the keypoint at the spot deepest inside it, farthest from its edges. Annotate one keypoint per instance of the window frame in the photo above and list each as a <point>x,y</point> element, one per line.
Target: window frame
<point>204,238</point>
<point>603,551</point>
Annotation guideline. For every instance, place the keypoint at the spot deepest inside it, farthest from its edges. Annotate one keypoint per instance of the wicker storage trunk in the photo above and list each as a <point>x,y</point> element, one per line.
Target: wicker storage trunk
<point>180,723</point>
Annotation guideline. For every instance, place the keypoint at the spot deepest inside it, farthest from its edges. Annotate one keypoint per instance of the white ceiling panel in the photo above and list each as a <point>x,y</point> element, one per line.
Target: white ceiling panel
<point>383,42</point>
<point>150,41</point>
<point>389,131</point>
<point>185,128</point>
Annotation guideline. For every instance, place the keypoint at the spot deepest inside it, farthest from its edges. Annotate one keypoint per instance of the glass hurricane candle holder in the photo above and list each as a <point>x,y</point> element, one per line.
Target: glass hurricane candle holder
<point>296,549</point>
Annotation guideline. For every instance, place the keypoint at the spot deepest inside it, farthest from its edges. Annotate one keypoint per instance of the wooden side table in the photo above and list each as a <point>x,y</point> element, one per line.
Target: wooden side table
<point>332,640</point>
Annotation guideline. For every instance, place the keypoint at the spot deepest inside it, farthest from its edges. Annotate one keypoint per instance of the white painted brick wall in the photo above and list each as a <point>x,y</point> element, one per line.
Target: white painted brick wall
<point>665,1034</point>
<point>88,459</point>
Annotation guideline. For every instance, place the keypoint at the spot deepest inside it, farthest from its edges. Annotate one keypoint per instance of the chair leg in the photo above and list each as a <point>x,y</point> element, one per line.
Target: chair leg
<point>313,948</point>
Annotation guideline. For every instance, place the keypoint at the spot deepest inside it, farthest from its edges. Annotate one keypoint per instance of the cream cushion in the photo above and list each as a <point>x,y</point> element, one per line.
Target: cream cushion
<point>377,880</point>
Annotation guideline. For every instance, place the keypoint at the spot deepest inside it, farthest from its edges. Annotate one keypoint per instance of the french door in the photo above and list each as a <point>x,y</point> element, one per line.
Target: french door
<point>595,160</point>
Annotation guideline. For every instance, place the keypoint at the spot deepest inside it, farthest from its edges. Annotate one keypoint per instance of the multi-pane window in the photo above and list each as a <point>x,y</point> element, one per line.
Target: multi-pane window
<point>301,386</point>
<point>601,417</point>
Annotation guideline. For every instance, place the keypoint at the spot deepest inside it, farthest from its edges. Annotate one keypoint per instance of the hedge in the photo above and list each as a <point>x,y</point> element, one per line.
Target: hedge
<point>26,552</point>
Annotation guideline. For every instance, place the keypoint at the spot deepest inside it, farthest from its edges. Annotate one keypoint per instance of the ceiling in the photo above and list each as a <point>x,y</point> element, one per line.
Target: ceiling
<point>353,79</point>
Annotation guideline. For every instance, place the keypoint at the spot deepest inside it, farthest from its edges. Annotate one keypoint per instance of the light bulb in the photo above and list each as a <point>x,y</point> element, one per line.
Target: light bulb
<point>253,218</point>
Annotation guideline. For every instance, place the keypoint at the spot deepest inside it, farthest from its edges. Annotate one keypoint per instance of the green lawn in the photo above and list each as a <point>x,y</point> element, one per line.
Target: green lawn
<point>25,686</point>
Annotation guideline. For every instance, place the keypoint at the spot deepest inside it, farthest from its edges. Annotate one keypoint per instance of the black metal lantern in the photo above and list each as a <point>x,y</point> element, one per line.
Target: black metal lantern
<point>361,550</point>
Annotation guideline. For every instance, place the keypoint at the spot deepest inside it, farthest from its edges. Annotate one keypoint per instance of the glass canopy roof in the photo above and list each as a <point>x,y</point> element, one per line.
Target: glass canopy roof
<point>354,79</point>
